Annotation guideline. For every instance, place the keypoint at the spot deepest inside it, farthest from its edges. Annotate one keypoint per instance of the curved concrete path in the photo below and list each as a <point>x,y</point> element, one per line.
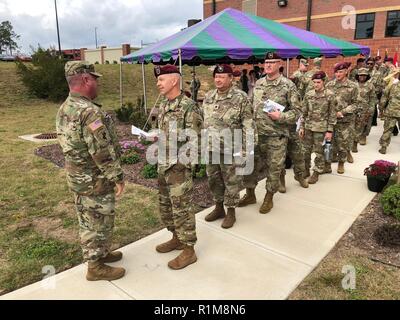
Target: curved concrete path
<point>262,257</point>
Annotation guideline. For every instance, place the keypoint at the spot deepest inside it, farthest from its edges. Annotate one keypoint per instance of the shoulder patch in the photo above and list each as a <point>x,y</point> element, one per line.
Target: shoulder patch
<point>96,125</point>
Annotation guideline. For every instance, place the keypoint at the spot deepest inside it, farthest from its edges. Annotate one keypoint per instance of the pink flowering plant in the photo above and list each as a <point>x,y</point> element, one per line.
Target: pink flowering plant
<point>134,145</point>
<point>380,169</point>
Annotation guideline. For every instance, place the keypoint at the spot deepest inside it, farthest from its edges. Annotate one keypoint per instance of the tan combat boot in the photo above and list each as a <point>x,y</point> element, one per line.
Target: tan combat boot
<point>303,182</point>
<point>268,203</point>
<point>187,257</point>
<point>248,198</point>
<point>349,157</point>
<point>171,245</point>
<point>282,183</point>
<point>230,219</point>
<point>340,169</point>
<point>314,178</point>
<point>382,150</point>
<point>112,257</point>
<point>100,271</point>
<point>217,213</point>
<point>354,149</point>
<point>328,168</point>
<point>363,141</point>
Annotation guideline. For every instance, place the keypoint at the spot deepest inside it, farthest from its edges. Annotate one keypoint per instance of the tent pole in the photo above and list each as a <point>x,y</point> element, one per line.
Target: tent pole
<point>144,88</point>
<point>287,67</point>
<point>180,67</point>
<point>120,85</point>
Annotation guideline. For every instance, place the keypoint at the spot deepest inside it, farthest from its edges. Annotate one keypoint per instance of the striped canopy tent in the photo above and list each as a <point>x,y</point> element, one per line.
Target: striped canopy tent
<point>234,36</point>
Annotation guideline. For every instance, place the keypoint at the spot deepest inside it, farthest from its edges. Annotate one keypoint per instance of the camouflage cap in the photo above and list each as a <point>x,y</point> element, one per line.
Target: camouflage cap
<point>78,67</point>
<point>318,61</point>
<point>363,72</point>
<point>304,62</point>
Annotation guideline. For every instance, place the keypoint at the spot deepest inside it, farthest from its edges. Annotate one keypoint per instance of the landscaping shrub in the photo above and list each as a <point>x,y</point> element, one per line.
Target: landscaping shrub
<point>45,77</point>
<point>199,171</point>
<point>133,114</point>
<point>150,171</point>
<point>390,201</point>
<point>115,62</point>
<point>130,157</point>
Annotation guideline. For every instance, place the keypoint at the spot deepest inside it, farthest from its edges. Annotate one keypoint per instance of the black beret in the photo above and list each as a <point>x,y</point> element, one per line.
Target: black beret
<point>272,56</point>
<point>223,68</point>
<point>167,69</point>
<point>389,59</point>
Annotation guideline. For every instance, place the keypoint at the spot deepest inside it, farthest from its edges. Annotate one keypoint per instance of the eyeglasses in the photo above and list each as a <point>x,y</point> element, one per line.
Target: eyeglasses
<point>370,64</point>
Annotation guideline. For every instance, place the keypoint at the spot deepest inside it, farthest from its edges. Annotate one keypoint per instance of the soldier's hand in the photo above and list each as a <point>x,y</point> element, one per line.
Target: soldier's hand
<point>328,136</point>
<point>276,115</point>
<point>302,134</point>
<point>120,189</point>
<point>340,115</point>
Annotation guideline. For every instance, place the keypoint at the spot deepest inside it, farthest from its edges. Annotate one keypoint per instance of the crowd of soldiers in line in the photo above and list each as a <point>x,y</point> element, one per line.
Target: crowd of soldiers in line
<point>317,111</point>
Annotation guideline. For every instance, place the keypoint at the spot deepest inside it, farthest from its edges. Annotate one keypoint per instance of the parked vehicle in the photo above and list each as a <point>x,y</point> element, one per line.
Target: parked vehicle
<point>6,57</point>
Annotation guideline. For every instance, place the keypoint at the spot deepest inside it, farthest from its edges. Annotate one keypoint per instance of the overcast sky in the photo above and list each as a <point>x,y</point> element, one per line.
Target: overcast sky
<point>118,21</point>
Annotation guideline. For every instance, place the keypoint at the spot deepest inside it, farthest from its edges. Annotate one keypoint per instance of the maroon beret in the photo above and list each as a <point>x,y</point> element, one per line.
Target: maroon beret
<point>377,58</point>
<point>237,73</point>
<point>389,59</point>
<point>223,68</point>
<point>341,66</point>
<point>167,69</point>
<point>272,56</point>
<point>320,75</point>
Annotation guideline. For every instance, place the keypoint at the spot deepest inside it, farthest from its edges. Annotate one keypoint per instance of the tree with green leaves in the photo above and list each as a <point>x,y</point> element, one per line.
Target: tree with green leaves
<point>8,37</point>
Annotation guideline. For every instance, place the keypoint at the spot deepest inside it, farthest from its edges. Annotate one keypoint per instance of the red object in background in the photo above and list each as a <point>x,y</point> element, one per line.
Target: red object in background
<point>395,58</point>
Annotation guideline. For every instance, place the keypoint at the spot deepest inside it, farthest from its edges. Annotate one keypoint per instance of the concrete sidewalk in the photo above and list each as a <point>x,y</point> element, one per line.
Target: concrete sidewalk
<point>262,257</point>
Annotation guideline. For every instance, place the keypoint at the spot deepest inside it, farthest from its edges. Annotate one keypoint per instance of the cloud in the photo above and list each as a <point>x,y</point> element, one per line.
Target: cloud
<point>118,21</point>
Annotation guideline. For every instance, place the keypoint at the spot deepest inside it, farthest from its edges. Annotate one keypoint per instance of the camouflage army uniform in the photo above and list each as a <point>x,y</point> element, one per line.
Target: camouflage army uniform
<point>92,161</point>
<point>353,73</point>
<point>195,85</point>
<point>273,136</point>
<point>366,110</point>
<point>390,103</point>
<point>231,111</point>
<point>319,113</point>
<point>298,78</point>
<point>348,99</point>
<point>174,178</point>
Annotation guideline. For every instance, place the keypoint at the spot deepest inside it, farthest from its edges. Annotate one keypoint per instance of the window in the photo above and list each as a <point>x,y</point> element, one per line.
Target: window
<point>249,6</point>
<point>365,26</point>
<point>393,24</point>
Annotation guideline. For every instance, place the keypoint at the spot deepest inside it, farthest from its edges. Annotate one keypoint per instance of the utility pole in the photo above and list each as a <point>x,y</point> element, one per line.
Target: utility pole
<point>58,29</point>
<point>95,35</point>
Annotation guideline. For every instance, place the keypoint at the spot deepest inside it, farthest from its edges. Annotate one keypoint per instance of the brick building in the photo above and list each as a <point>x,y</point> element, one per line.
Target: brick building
<point>375,24</point>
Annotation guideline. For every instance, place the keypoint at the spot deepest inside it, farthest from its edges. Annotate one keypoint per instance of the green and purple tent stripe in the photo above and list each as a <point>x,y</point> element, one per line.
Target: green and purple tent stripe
<point>241,36</point>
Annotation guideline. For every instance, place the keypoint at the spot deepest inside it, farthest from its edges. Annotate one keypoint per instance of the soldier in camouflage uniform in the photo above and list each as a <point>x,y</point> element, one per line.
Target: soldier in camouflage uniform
<point>177,113</point>
<point>319,119</point>
<point>348,96</point>
<point>225,108</point>
<point>307,83</point>
<point>92,161</point>
<point>298,77</point>
<point>366,108</point>
<point>272,129</point>
<point>195,85</point>
<point>354,71</point>
<point>390,106</point>
<point>377,81</point>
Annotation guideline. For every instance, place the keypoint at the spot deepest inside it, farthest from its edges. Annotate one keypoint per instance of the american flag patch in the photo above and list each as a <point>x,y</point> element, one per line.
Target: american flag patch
<point>96,125</point>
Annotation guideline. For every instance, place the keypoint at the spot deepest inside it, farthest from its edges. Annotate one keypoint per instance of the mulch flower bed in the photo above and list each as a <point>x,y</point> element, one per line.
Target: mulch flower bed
<point>132,172</point>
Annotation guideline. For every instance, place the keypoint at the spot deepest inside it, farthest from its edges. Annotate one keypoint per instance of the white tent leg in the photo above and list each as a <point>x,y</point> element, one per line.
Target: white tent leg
<point>287,67</point>
<point>144,88</point>
<point>120,85</point>
<point>180,67</point>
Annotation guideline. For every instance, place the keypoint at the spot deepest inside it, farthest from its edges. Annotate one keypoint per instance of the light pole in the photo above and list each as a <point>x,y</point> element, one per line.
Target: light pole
<point>95,36</point>
<point>58,29</point>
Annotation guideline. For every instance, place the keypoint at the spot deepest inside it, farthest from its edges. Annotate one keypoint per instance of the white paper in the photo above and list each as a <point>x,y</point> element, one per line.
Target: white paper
<point>272,106</point>
<point>138,132</point>
<point>298,124</point>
